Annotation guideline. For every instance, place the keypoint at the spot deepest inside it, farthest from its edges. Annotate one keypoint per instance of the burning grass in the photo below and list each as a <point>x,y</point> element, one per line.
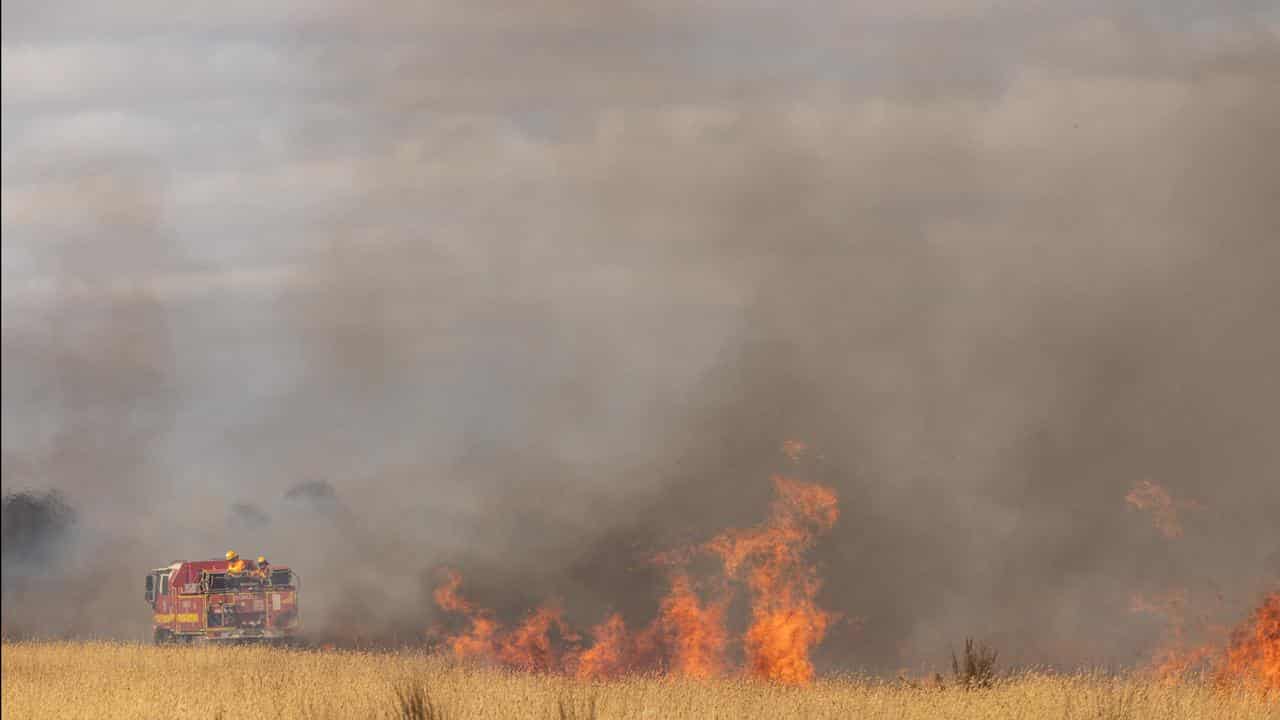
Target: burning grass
<point>115,680</point>
<point>689,636</point>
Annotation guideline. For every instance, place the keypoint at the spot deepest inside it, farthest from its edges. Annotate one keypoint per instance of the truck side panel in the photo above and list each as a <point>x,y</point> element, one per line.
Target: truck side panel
<point>189,614</point>
<point>282,609</point>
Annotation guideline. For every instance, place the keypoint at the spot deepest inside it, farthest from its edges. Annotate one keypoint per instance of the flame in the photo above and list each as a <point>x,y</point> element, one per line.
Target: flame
<point>794,449</point>
<point>1176,657</point>
<point>689,637</point>
<point>694,632</point>
<point>786,623</point>
<point>479,639</point>
<point>1152,497</point>
<point>530,646</point>
<point>1253,655</point>
<point>609,654</point>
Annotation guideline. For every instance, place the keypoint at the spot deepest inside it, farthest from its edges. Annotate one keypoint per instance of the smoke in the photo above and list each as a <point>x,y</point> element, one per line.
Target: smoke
<point>247,516</point>
<point>536,293</point>
<point>35,525</point>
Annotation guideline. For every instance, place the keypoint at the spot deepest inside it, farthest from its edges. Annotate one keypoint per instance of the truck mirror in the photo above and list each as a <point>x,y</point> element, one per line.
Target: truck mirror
<point>151,589</point>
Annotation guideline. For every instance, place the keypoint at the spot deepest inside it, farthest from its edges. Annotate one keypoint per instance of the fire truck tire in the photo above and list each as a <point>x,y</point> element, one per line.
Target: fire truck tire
<point>162,637</point>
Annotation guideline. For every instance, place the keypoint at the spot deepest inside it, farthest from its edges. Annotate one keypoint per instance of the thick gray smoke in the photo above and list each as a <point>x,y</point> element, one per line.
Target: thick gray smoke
<point>536,292</point>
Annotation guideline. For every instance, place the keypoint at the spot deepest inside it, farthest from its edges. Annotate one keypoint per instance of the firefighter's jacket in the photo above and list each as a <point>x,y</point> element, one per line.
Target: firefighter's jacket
<point>237,566</point>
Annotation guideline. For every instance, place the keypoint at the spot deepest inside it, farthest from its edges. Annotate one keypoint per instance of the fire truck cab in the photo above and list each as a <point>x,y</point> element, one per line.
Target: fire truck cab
<point>199,601</point>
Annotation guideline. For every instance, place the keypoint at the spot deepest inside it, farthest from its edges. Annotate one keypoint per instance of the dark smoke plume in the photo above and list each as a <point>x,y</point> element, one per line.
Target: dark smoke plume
<point>36,526</point>
<point>317,492</point>
<point>247,516</point>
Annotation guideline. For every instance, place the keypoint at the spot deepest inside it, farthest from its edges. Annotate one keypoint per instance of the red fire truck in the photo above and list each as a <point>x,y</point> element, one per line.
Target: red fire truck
<point>199,601</point>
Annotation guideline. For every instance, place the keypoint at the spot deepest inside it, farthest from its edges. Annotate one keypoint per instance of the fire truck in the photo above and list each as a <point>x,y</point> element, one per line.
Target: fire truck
<point>199,601</point>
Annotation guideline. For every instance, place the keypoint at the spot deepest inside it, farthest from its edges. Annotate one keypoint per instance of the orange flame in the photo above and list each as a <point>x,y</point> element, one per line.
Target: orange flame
<point>1176,657</point>
<point>794,449</point>
<point>1250,657</point>
<point>530,647</point>
<point>1253,656</point>
<point>688,638</point>
<point>694,632</point>
<point>1152,497</point>
<point>479,639</point>
<point>610,654</point>
<point>786,623</point>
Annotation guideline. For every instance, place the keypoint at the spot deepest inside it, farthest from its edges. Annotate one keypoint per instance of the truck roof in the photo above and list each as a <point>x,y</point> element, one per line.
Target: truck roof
<point>188,571</point>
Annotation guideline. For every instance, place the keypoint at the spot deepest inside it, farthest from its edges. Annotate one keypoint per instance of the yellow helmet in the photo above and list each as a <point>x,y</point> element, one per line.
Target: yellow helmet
<point>262,559</point>
<point>232,555</point>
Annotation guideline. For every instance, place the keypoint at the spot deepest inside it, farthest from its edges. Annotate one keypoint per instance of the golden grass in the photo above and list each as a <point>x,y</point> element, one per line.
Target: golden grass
<point>116,680</point>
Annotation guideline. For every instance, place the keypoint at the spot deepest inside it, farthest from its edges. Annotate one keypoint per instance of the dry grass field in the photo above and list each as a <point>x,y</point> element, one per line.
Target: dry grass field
<point>116,680</point>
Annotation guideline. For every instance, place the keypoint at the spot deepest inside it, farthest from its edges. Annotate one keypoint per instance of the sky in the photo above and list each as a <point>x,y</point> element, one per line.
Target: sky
<point>518,280</point>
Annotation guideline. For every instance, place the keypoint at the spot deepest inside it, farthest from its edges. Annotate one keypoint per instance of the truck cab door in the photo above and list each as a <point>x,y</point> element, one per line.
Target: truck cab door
<point>164,602</point>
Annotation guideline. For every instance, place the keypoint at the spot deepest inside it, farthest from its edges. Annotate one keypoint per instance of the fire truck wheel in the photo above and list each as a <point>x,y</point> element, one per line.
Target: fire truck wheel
<point>163,637</point>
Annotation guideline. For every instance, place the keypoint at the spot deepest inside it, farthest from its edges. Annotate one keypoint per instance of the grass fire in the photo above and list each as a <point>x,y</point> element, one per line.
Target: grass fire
<point>688,637</point>
<point>689,661</point>
<point>549,359</point>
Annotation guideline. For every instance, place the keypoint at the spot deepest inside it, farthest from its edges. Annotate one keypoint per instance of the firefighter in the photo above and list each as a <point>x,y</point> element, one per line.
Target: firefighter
<point>264,568</point>
<point>235,564</point>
